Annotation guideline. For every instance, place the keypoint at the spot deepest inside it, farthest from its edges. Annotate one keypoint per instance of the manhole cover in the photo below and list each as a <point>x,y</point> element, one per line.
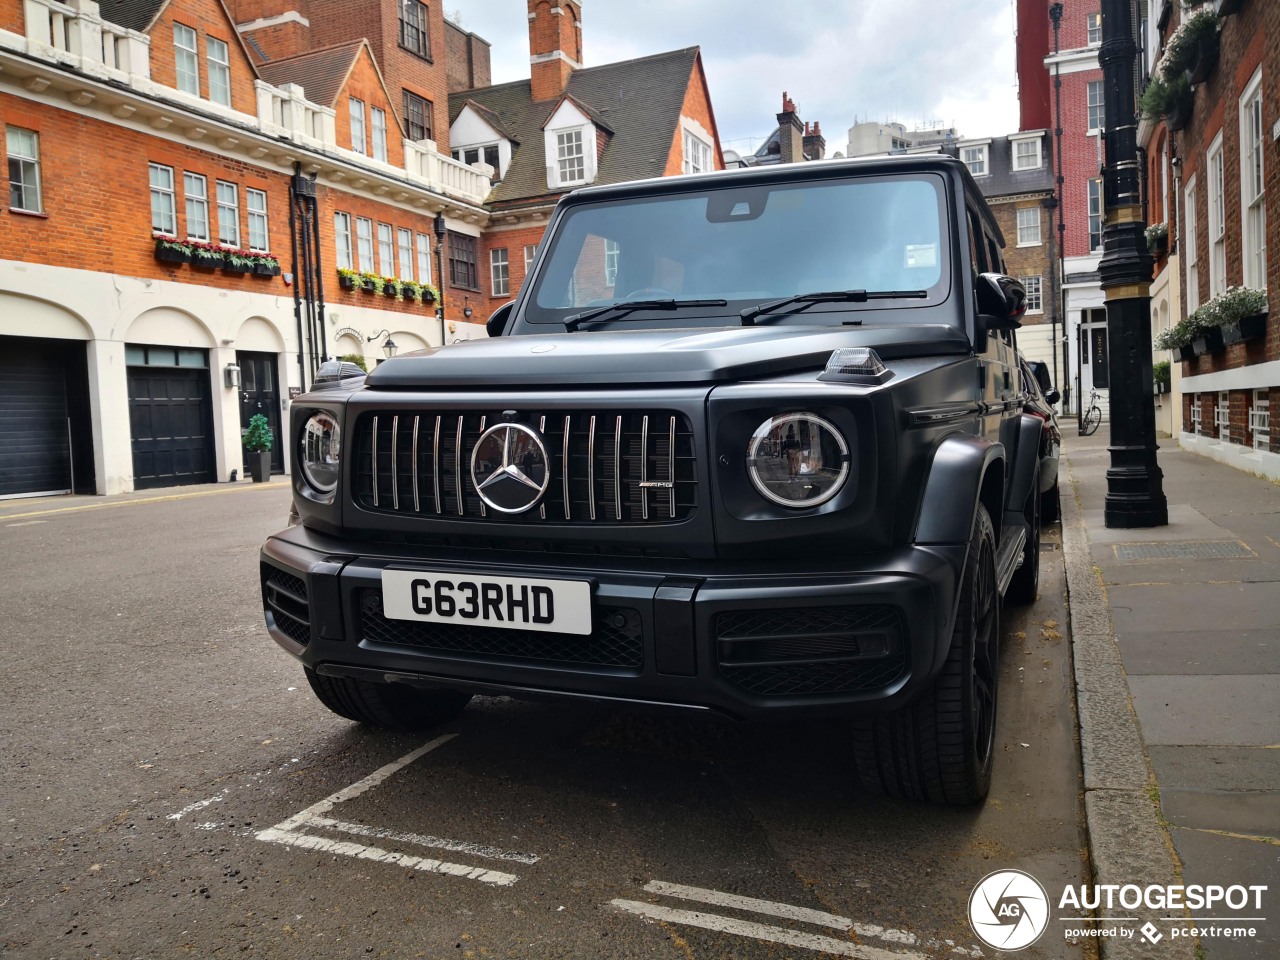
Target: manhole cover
<point>1189,550</point>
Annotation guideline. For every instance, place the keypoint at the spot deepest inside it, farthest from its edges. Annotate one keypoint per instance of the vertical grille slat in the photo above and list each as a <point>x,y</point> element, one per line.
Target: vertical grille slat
<point>599,463</point>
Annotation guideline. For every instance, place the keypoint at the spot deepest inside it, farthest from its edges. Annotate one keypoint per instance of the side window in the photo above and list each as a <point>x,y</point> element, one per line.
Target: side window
<point>977,255</point>
<point>993,249</point>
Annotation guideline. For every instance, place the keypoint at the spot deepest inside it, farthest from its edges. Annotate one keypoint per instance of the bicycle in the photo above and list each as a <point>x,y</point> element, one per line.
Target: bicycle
<point>1092,417</point>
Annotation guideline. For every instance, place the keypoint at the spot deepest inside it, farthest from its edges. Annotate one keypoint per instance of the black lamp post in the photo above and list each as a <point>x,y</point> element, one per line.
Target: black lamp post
<point>1135,490</point>
<point>440,230</point>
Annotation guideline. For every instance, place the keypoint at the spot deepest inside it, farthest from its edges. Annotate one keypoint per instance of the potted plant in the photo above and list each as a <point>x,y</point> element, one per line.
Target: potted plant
<point>1242,314</point>
<point>372,282</point>
<point>171,249</point>
<point>1162,374</point>
<point>1178,339</point>
<point>205,255</point>
<point>1158,239</point>
<point>265,265</point>
<point>1193,47</point>
<point>259,440</point>
<point>348,279</point>
<point>429,294</point>
<point>236,261</point>
<point>410,290</point>
<point>391,287</point>
<point>1206,333</point>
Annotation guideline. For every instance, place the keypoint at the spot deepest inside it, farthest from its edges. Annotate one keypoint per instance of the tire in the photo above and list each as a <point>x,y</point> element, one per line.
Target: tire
<point>940,747</point>
<point>392,706</point>
<point>1024,587</point>
<point>1051,504</point>
<point>1092,418</point>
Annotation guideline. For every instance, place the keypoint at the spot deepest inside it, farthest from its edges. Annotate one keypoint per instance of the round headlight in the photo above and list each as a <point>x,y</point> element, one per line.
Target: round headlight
<point>321,451</point>
<point>798,460</point>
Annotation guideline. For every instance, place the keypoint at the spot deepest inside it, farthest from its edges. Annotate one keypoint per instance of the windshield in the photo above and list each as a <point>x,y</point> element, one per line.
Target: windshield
<point>750,244</point>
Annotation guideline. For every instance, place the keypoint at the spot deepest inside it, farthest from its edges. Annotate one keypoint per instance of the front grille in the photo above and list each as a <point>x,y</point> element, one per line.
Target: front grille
<point>286,598</point>
<point>607,466</point>
<point>810,651</point>
<point>616,639</point>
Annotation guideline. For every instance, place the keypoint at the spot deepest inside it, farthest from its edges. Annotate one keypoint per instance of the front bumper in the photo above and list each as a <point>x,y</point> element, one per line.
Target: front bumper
<point>742,639</point>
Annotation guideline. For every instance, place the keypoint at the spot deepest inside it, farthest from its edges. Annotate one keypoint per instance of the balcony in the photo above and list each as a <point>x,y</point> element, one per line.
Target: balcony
<point>75,34</point>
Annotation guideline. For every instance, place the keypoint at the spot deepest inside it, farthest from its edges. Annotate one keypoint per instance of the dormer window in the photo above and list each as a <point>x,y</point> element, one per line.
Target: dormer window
<point>975,158</point>
<point>569,157</point>
<point>1026,154</point>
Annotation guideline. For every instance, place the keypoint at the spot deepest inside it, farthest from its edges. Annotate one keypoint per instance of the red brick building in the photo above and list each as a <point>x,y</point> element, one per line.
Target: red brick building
<point>147,260</point>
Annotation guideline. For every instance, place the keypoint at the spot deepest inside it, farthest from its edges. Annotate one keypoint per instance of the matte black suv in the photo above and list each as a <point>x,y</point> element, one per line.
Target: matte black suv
<point>751,442</point>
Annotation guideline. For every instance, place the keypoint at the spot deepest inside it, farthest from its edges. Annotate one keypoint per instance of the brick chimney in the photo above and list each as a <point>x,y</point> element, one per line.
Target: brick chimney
<point>815,144</point>
<point>272,29</point>
<point>555,45</point>
<point>790,132</point>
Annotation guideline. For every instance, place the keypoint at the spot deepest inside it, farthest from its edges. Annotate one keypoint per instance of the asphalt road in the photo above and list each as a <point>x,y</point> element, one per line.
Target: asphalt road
<point>160,754</point>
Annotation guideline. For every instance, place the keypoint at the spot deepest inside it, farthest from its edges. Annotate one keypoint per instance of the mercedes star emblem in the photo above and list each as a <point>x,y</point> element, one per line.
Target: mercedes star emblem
<point>509,467</point>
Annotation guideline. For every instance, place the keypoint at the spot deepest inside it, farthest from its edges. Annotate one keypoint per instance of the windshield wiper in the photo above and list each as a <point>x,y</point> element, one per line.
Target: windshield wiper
<point>630,306</point>
<point>803,301</point>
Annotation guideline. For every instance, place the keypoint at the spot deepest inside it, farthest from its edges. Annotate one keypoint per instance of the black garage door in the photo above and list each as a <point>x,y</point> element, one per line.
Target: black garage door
<point>169,413</point>
<point>43,413</point>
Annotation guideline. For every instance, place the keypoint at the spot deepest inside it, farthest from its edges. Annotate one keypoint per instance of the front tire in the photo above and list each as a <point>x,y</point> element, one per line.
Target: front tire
<point>392,706</point>
<point>940,746</point>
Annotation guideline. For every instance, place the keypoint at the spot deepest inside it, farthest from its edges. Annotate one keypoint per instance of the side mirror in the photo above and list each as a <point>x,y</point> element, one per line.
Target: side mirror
<point>1002,302</point>
<point>1053,396</point>
<point>498,322</point>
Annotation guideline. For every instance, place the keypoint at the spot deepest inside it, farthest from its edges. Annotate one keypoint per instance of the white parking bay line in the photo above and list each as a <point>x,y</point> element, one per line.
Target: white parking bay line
<point>761,931</point>
<point>440,843</point>
<point>360,851</point>
<point>289,832</point>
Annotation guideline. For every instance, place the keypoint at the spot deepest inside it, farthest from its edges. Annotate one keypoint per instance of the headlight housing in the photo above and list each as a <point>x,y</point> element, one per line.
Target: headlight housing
<point>798,460</point>
<point>321,452</point>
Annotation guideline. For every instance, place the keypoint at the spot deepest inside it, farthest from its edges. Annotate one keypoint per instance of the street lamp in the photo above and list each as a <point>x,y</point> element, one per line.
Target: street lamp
<point>440,228</point>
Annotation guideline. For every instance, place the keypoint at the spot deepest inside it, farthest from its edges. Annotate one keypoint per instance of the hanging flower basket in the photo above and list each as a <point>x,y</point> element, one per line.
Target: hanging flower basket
<point>1207,49</point>
<point>348,281</point>
<point>390,289</point>
<point>370,284</point>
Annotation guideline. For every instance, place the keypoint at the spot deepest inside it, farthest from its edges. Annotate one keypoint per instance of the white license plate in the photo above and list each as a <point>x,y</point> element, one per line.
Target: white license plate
<point>512,603</point>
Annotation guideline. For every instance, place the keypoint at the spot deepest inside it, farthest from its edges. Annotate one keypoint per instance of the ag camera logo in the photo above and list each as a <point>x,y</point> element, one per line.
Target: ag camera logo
<point>1008,910</point>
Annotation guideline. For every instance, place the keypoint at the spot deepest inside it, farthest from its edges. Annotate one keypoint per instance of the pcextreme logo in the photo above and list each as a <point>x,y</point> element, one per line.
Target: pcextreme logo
<point>1009,910</point>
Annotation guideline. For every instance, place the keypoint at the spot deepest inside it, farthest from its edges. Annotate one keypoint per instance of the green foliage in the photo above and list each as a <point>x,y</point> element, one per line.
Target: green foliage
<point>410,289</point>
<point>428,293</point>
<point>1181,49</point>
<point>1162,96</point>
<point>1238,303</point>
<point>1162,372</point>
<point>259,438</point>
<point>356,358</point>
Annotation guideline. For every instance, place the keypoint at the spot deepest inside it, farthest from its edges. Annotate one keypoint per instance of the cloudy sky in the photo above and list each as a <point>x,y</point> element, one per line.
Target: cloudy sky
<point>842,61</point>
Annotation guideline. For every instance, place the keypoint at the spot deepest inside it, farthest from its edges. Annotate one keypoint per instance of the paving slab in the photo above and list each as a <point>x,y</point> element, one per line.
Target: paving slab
<point>1212,858</point>
<point>1226,768</point>
<point>1194,652</point>
<point>1234,811</point>
<point>1207,710</point>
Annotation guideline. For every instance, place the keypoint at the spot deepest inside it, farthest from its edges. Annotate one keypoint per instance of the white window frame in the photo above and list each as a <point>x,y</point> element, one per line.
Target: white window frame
<point>364,244</point>
<point>359,142</point>
<point>1095,212</point>
<point>530,251</point>
<point>499,272</point>
<point>379,128</point>
<point>219,71</point>
<point>1260,420</point>
<point>1222,416</point>
<point>1197,415</point>
<point>1035,293</point>
<point>1025,229</point>
<point>186,59</point>
<point>386,250</point>
<point>1096,115</point>
<point>1037,158</point>
<point>567,161</point>
<point>27,162</point>
<point>197,204</point>
<point>424,258</point>
<point>1190,248</point>
<point>982,162</point>
<point>227,196</point>
<point>611,250</point>
<point>161,196</point>
<point>697,154</point>
<point>1093,29</point>
<point>342,241</point>
<point>255,202</point>
<point>1253,185</point>
<point>1216,165</point>
<point>404,253</point>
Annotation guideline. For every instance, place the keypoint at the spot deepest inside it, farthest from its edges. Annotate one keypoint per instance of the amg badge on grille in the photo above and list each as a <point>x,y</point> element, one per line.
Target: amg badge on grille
<point>510,467</point>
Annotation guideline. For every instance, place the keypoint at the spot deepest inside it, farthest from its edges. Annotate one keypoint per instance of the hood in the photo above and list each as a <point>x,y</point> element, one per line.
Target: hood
<point>640,356</point>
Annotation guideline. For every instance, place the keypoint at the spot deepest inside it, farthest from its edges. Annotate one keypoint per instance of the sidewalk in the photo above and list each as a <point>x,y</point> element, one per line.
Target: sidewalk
<point>1183,623</point>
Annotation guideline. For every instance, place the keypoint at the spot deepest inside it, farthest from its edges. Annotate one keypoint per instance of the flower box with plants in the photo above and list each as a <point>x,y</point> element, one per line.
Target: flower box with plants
<point>1242,314</point>
<point>348,279</point>
<point>1158,239</point>
<point>258,441</point>
<point>428,293</point>
<point>206,255</point>
<point>237,261</point>
<point>1162,375</point>
<point>1170,99</point>
<point>410,290</point>
<point>1194,46</point>
<point>171,249</point>
<point>391,287</point>
<point>371,282</point>
<point>264,265</point>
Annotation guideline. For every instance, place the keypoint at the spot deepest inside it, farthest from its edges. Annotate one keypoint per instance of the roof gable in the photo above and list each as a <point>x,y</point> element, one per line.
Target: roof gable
<point>321,73</point>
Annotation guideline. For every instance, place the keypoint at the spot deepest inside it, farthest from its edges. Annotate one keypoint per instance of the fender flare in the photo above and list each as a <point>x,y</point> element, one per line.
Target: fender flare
<point>1024,463</point>
<point>954,488</point>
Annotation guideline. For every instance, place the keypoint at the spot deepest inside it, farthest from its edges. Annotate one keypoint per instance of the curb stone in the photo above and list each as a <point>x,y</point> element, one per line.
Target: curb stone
<point>1128,841</point>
